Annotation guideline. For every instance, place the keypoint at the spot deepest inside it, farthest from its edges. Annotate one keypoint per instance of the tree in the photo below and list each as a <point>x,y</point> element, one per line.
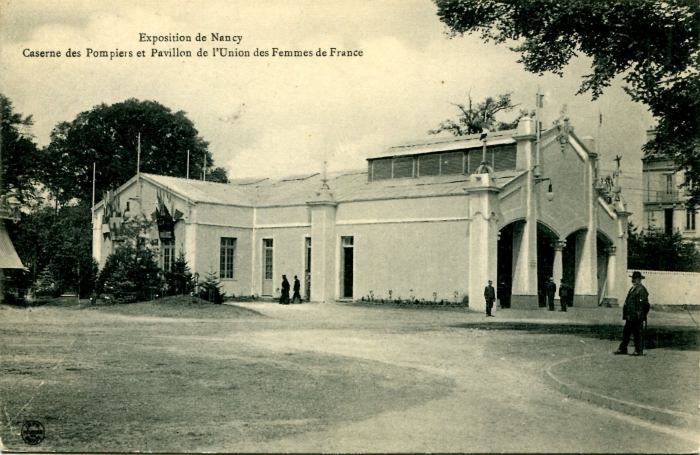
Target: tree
<point>58,242</point>
<point>473,119</point>
<point>656,250</point>
<point>179,278</point>
<point>653,44</point>
<point>210,288</point>
<point>131,273</point>
<point>109,137</point>
<point>19,154</point>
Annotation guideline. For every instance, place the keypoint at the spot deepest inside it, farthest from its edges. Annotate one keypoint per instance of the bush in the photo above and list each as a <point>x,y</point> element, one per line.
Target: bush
<point>131,273</point>
<point>178,279</point>
<point>210,289</point>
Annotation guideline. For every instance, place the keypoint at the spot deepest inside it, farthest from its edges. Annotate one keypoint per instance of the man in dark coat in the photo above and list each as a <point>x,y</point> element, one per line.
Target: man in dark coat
<point>551,290</point>
<point>490,296</point>
<point>297,288</point>
<point>634,313</point>
<point>563,295</point>
<point>284,299</point>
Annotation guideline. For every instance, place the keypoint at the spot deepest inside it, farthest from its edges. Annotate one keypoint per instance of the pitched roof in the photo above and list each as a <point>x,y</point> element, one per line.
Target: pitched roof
<point>8,255</point>
<point>444,144</point>
<point>200,191</point>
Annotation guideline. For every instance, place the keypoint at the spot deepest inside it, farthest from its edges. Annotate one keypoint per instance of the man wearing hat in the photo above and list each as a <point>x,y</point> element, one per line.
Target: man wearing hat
<point>634,313</point>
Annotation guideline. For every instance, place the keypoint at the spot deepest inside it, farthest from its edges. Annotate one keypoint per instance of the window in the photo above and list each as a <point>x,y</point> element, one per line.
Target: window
<point>403,167</point>
<point>168,254</point>
<point>474,158</point>
<point>429,165</point>
<point>381,169</point>
<point>505,158</point>
<point>228,250</point>
<point>690,219</point>
<point>668,221</point>
<point>451,163</point>
<point>267,249</point>
<point>669,183</point>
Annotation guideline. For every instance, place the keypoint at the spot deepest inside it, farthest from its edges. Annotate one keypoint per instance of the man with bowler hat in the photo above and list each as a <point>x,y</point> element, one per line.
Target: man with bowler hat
<point>490,296</point>
<point>551,289</point>
<point>634,313</point>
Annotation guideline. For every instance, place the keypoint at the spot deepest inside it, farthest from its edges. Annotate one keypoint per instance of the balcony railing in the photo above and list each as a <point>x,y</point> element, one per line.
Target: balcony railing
<point>663,196</point>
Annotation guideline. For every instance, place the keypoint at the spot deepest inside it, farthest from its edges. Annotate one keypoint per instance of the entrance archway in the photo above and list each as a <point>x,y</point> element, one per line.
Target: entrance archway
<point>506,267</point>
<point>545,260</point>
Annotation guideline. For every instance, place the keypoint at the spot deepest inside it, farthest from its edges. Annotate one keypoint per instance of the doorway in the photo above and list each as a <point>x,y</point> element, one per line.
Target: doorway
<point>307,270</point>
<point>347,266</point>
<point>267,257</point>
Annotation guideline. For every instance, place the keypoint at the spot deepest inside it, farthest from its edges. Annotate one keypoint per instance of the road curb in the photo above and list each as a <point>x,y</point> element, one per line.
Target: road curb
<point>663,416</point>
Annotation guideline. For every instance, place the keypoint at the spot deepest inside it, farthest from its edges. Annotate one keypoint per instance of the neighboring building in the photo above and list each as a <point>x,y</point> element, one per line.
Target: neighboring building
<point>9,210</point>
<point>423,222</point>
<point>664,199</point>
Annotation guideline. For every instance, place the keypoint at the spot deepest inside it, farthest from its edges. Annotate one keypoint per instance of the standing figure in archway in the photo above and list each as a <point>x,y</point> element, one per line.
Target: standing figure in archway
<point>551,292</point>
<point>490,296</point>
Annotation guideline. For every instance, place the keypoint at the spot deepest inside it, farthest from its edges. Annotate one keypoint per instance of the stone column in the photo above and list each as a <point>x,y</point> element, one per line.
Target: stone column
<point>524,290</point>
<point>323,246</point>
<point>558,270</point>
<point>610,299</point>
<point>586,292</point>
<point>483,237</point>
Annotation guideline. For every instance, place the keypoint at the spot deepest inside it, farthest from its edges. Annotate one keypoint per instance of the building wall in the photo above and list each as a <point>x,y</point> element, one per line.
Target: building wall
<point>670,288</point>
<point>287,259</point>
<point>411,259</point>
<point>568,211</point>
<point>208,249</point>
<point>413,247</point>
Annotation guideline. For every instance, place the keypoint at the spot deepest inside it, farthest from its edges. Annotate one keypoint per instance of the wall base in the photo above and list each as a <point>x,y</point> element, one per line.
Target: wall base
<point>586,301</point>
<point>524,302</point>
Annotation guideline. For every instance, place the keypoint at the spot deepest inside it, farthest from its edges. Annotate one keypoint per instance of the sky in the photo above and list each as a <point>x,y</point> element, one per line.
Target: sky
<point>275,116</point>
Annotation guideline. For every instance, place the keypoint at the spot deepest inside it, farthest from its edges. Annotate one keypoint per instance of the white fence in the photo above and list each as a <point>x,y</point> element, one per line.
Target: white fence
<point>672,288</point>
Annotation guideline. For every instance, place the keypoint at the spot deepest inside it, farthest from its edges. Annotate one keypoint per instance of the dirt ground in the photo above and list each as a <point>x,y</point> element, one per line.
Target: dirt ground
<point>299,378</point>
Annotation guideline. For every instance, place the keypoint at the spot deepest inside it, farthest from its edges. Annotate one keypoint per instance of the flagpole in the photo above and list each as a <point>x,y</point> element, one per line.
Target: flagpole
<point>188,165</point>
<point>204,168</point>
<point>93,184</point>
<point>138,156</point>
<point>537,133</point>
<point>599,146</point>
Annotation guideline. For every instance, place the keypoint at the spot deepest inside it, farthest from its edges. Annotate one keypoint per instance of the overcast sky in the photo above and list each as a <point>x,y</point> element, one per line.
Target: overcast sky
<point>273,116</point>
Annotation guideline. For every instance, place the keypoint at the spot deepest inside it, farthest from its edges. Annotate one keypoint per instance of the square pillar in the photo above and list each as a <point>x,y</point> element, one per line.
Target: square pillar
<point>483,237</point>
<point>323,246</point>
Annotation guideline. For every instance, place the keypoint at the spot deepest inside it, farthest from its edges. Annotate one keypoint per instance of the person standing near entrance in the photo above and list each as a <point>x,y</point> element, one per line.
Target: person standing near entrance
<point>551,291</point>
<point>634,312</point>
<point>297,288</point>
<point>284,298</point>
<point>490,296</point>
<point>563,295</point>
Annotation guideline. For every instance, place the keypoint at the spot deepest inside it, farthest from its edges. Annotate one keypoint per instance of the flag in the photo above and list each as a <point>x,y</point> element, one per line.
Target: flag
<point>540,101</point>
<point>600,118</point>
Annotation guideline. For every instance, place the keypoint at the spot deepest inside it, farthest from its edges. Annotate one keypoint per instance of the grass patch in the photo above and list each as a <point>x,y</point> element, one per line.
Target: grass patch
<point>179,306</point>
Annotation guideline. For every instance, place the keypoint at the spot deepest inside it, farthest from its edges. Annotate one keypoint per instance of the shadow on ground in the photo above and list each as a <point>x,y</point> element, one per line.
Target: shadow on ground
<point>679,338</point>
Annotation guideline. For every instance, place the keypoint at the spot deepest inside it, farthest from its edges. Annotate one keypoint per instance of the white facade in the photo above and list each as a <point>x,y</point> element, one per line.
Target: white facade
<point>664,198</point>
<point>394,232</point>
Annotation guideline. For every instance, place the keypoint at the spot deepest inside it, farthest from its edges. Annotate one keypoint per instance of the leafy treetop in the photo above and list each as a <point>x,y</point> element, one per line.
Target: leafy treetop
<point>653,44</point>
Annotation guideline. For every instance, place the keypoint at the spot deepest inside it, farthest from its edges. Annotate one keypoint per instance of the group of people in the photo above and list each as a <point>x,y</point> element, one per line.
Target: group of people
<point>284,298</point>
<point>565,294</point>
<point>634,311</point>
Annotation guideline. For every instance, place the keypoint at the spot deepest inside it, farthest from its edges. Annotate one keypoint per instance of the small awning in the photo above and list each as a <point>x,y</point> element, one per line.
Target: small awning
<point>8,255</point>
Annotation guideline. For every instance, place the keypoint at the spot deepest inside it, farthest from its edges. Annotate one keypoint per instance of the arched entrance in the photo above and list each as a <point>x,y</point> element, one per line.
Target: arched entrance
<point>507,261</point>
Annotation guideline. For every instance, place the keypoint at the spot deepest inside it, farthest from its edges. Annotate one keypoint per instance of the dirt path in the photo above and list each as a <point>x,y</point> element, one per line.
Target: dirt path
<point>307,378</point>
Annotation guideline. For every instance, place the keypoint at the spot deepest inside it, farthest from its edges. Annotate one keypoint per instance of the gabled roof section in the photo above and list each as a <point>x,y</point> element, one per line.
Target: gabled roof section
<point>446,144</point>
<point>354,186</point>
<point>200,191</point>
